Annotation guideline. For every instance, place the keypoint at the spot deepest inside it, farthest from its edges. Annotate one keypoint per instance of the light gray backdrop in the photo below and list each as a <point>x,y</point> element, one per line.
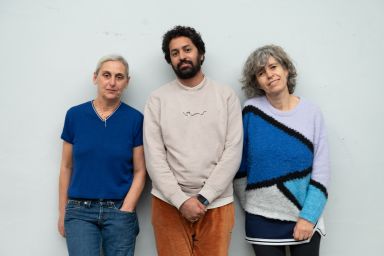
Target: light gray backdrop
<point>48,51</point>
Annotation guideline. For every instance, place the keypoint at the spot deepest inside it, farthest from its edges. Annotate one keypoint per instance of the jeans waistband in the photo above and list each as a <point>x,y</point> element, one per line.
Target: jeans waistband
<point>94,199</point>
<point>89,201</point>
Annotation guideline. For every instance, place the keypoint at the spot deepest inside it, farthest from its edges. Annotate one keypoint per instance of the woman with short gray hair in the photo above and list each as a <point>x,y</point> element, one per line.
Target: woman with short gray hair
<point>102,170</point>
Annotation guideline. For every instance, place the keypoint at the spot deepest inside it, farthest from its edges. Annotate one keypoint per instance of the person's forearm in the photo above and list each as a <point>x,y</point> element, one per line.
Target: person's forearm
<point>65,175</point>
<point>138,183</point>
<point>155,155</point>
<point>133,195</point>
<point>229,162</point>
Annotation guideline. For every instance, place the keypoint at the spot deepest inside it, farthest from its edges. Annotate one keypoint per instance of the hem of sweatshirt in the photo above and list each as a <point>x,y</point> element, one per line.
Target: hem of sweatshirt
<point>177,200</point>
<point>215,204</point>
<point>220,202</point>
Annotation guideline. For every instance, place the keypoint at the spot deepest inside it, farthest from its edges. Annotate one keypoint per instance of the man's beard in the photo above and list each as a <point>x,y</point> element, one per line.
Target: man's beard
<point>189,72</point>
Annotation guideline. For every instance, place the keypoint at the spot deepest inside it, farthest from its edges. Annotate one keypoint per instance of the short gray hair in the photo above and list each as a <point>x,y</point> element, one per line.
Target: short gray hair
<point>257,61</point>
<point>112,57</point>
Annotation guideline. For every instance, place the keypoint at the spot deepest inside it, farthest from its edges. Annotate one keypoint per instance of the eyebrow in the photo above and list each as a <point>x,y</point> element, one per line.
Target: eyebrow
<point>109,72</point>
<point>182,47</point>
<point>273,63</point>
<point>262,68</point>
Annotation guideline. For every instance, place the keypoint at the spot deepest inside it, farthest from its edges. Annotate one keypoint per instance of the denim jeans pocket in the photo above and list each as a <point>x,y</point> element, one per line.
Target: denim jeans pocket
<point>117,206</point>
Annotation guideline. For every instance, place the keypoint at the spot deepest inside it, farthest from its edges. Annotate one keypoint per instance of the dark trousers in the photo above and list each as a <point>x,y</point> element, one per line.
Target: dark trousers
<point>308,249</point>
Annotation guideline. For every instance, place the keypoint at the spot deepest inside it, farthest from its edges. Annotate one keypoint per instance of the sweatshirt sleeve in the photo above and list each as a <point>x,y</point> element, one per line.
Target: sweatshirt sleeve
<point>317,193</point>
<point>155,155</point>
<point>240,181</point>
<point>226,168</point>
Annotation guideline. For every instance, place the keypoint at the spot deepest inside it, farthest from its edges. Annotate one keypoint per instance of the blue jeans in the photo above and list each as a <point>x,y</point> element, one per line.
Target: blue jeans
<point>95,225</point>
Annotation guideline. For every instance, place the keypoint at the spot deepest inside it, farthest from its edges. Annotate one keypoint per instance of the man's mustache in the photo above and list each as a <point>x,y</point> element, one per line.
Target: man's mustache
<point>184,62</point>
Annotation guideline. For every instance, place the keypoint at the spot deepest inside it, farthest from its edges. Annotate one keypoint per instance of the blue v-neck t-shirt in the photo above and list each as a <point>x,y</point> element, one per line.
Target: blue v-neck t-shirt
<point>102,150</point>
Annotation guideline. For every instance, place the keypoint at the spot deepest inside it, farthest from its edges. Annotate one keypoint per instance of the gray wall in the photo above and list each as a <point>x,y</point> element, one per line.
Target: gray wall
<point>49,48</point>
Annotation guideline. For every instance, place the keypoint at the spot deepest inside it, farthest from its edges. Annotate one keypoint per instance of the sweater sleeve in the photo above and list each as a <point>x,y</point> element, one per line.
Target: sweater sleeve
<point>155,156</point>
<point>240,181</point>
<point>317,194</point>
<point>226,168</point>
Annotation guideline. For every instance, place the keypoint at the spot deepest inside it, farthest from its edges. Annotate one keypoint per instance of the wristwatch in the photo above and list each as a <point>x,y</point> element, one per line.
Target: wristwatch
<point>202,200</point>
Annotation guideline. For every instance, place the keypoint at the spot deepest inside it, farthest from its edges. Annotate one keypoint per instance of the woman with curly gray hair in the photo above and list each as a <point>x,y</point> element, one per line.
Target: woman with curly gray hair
<point>283,178</point>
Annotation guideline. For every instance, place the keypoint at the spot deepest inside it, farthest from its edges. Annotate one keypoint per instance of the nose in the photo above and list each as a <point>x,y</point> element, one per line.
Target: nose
<point>269,73</point>
<point>112,81</point>
<point>182,55</point>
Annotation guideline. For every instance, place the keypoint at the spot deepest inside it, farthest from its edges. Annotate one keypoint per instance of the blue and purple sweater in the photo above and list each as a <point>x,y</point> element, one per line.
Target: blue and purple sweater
<point>284,171</point>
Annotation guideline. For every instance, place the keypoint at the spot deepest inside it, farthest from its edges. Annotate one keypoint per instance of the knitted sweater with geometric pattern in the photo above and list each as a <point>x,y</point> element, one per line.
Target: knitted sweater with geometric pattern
<point>285,169</point>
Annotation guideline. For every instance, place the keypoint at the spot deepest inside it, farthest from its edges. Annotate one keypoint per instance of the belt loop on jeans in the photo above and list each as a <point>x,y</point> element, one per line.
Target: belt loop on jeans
<point>87,203</point>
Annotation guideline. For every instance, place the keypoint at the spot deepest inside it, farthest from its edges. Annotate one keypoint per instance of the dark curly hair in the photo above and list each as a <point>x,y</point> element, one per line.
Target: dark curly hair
<point>178,31</point>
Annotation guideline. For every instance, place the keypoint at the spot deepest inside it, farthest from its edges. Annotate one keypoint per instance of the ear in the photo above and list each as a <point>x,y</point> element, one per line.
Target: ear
<point>202,58</point>
<point>94,77</point>
<point>286,73</point>
<point>126,84</point>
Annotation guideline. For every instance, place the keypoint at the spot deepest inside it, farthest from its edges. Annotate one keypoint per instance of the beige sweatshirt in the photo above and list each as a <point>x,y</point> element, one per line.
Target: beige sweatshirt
<point>193,142</point>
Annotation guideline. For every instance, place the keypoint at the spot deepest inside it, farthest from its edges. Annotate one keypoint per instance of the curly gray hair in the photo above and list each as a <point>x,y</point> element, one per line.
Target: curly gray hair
<point>257,61</point>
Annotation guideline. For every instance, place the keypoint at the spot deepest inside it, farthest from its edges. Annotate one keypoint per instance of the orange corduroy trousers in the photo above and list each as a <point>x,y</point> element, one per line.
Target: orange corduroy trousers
<point>176,236</point>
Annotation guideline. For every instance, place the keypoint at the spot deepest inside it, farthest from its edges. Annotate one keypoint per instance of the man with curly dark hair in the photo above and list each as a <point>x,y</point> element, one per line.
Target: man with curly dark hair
<point>193,145</point>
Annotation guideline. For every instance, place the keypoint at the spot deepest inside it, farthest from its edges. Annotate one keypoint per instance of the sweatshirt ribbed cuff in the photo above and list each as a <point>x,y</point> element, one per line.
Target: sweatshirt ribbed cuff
<point>208,193</point>
<point>178,199</point>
